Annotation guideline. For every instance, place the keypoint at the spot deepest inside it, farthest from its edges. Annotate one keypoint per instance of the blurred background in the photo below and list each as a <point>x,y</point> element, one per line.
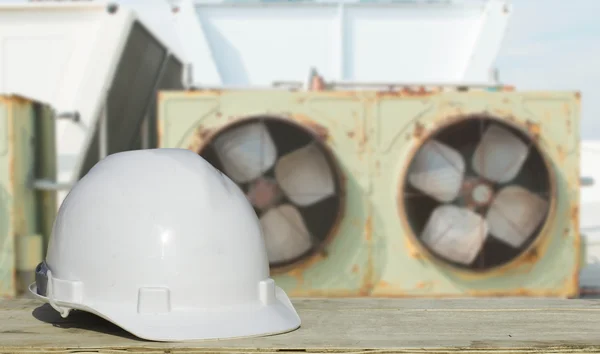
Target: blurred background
<point>389,148</point>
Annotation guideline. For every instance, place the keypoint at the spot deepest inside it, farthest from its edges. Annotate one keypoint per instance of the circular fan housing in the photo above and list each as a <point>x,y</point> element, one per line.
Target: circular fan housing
<point>477,193</point>
<point>289,176</point>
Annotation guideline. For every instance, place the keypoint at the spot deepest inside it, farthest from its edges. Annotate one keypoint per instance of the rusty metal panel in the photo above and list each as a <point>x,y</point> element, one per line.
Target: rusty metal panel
<point>372,137</point>
<point>193,119</point>
<point>26,215</point>
<point>549,264</point>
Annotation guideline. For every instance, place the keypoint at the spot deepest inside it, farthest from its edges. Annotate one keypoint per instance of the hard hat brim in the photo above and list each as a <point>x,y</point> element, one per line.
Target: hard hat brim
<point>243,321</point>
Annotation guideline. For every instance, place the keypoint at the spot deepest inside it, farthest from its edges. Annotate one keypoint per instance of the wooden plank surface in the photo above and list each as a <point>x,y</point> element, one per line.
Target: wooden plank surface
<point>339,325</point>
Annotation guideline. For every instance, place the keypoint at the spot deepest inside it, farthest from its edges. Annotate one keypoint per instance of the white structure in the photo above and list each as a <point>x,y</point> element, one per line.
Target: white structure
<point>97,64</point>
<point>590,211</point>
<point>257,43</point>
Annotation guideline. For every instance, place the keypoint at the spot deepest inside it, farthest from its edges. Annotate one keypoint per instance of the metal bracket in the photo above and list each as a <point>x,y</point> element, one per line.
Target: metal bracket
<point>74,116</point>
<point>47,185</point>
<point>586,181</point>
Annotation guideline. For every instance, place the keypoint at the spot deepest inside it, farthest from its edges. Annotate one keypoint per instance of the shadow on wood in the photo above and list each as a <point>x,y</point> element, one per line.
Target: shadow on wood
<point>80,320</point>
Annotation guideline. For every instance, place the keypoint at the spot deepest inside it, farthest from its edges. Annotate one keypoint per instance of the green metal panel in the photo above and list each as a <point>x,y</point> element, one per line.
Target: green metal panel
<point>549,267</point>
<point>27,152</point>
<point>189,119</point>
<point>374,136</point>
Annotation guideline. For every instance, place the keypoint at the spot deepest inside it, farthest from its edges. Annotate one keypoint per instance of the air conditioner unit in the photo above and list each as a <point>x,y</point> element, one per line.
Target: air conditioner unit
<point>27,163</point>
<point>97,64</point>
<point>399,193</point>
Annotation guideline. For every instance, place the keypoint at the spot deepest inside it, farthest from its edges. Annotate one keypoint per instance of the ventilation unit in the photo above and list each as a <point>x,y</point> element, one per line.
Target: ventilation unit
<point>400,193</point>
<point>27,163</point>
<point>301,169</point>
<point>97,65</point>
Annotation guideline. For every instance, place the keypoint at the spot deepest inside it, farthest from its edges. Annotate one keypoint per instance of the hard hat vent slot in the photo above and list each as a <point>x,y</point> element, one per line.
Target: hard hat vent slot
<point>154,300</point>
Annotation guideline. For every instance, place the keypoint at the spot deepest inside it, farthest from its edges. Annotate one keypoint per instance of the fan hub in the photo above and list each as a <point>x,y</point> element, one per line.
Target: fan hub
<point>482,194</point>
<point>264,192</point>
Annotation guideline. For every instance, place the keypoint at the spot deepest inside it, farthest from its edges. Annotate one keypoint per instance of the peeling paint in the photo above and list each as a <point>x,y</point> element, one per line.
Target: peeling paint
<point>383,210</point>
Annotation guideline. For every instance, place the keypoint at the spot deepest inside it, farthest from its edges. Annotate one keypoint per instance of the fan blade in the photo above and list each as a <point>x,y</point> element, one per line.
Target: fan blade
<point>499,155</point>
<point>514,214</point>
<point>286,235</point>
<point>437,170</point>
<point>455,233</point>
<point>246,152</point>
<point>305,176</point>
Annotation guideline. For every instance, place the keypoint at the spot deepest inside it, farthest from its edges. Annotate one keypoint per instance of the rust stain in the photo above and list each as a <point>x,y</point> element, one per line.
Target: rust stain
<point>531,256</point>
<point>534,129</point>
<point>196,92</point>
<point>566,110</point>
<point>419,130</point>
<point>200,137</point>
<point>14,99</point>
<point>386,291</point>
<point>520,292</point>
<point>367,281</point>
<point>218,114</point>
<point>425,285</point>
<point>319,130</point>
<point>412,250</point>
<point>317,83</point>
<point>562,155</point>
<point>159,133</point>
<point>572,284</point>
<point>383,284</point>
<point>355,269</point>
<point>297,270</point>
<point>578,96</point>
<point>363,141</point>
<point>420,91</point>
<point>369,229</point>
<point>205,133</point>
<point>350,134</point>
<point>333,293</point>
<point>575,213</point>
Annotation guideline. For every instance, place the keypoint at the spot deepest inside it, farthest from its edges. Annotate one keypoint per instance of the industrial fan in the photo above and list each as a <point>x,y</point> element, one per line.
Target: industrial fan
<point>399,193</point>
<point>289,179</point>
<point>487,192</point>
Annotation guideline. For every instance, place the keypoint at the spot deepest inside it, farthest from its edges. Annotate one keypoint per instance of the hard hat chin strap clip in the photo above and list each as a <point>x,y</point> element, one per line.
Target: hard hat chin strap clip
<point>64,312</point>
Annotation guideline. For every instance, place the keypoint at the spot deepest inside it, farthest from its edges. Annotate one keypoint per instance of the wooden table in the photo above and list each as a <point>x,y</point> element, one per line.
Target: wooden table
<point>339,326</point>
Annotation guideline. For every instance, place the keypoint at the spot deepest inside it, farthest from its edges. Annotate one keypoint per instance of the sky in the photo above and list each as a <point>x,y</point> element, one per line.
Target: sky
<point>552,45</point>
<point>555,45</point>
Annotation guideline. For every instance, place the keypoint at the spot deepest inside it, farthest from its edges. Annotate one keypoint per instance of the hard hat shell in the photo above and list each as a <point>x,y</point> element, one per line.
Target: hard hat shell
<point>164,245</point>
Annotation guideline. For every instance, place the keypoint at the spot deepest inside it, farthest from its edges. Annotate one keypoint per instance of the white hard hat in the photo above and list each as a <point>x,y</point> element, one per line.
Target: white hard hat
<point>165,246</point>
